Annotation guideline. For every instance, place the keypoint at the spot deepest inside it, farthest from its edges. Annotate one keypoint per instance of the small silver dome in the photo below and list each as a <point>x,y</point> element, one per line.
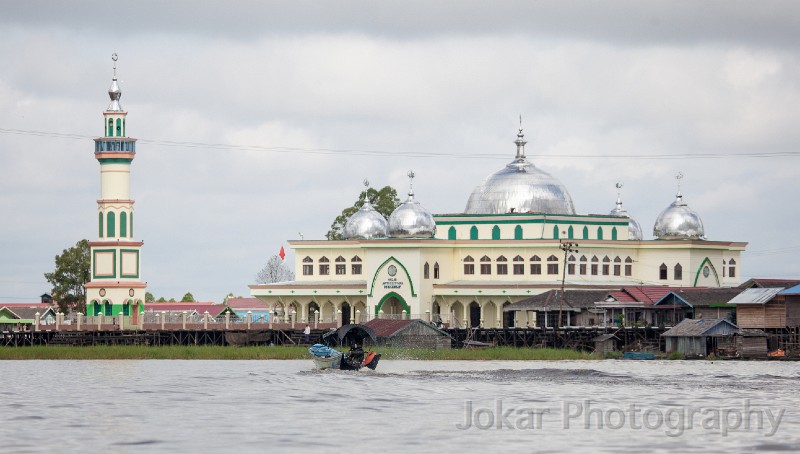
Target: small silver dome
<point>410,219</point>
<point>679,222</point>
<point>520,188</point>
<point>634,229</point>
<point>366,223</point>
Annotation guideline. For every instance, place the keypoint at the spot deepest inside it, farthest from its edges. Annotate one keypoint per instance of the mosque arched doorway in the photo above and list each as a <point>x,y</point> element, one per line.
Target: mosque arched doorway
<point>393,307</point>
<point>457,315</point>
<point>490,315</point>
<point>346,313</point>
<point>508,317</point>
<point>474,315</point>
<point>313,308</point>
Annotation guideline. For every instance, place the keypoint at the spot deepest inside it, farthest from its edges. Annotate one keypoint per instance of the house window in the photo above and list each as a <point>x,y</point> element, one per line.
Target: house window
<point>552,265</point>
<point>662,272</point>
<point>436,270</point>
<point>606,266</point>
<point>324,270</point>
<point>341,269</point>
<point>426,271</point>
<point>355,268</point>
<point>628,266</point>
<point>308,270</point>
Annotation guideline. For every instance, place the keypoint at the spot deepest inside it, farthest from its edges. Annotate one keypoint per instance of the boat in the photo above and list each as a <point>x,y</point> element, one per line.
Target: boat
<point>354,336</point>
<point>325,357</point>
<point>638,355</point>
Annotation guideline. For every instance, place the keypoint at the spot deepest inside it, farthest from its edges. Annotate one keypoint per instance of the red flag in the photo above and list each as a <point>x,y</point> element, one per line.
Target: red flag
<point>282,254</point>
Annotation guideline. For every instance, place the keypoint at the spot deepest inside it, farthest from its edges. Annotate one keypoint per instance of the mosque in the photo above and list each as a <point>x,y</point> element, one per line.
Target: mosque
<point>518,236</point>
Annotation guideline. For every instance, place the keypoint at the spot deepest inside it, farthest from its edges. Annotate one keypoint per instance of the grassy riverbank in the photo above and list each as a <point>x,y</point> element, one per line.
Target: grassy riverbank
<point>261,353</point>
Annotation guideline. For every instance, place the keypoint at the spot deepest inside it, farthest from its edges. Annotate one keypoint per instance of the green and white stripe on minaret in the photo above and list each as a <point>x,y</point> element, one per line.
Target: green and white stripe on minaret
<point>115,288</point>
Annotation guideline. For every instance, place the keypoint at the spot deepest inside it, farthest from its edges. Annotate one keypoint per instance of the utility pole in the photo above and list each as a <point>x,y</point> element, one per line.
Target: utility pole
<point>568,247</point>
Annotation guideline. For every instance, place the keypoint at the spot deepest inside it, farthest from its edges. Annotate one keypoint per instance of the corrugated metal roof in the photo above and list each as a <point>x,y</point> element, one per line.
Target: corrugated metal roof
<point>701,327</point>
<point>755,295</point>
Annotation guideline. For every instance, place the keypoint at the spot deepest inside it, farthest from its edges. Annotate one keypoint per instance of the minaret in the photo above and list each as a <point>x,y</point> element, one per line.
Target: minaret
<point>115,287</point>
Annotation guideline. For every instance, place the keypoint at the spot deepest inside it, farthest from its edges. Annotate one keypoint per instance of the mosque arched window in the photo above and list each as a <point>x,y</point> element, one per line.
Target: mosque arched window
<point>110,127</point>
<point>536,266</point>
<point>436,270</point>
<point>662,272</point>
<point>724,271</point>
<point>495,233</point>
<point>355,267</point>
<point>451,233</point>
<point>570,233</point>
<point>571,265</point>
<point>555,232</point>
<point>324,259</point>
<point>594,266</point>
<point>732,268</point>
<point>469,266</point>
<point>100,223</point>
<point>426,271</point>
<point>308,268</point>
<point>340,259</point>
<point>308,259</point>
<point>678,270</point>
<point>582,266</point>
<point>123,127</point>
<point>486,266</point>
<point>473,233</point>
<point>552,265</point>
<point>355,259</point>
<point>519,268</point>
<point>131,222</point>
<point>599,233</point>
<point>119,127</point>
<point>502,258</point>
<point>123,224</point>
<point>111,228</point>
<point>628,266</point>
<point>617,266</point>
<point>606,266</point>
<point>518,232</point>
<point>502,267</point>
<point>614,234</point>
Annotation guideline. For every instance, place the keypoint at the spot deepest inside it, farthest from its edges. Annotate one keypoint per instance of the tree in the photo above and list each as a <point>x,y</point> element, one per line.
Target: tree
<point>384,201</point>
<point>274,271</point>
<point>161,300</point>
<point>71,273</point>
<point>149,298</point>
<point>187,298</point>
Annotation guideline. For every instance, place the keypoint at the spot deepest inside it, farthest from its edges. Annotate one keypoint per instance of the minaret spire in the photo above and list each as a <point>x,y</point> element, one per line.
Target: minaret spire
<point>520,142</point>
<point>114,92</point>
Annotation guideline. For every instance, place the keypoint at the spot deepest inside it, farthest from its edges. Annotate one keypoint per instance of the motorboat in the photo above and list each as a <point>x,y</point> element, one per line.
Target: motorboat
<point>353,335</point>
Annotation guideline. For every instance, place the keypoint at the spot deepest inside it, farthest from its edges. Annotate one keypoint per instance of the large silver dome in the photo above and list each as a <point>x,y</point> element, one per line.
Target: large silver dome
<point>520,188</point>
<point>410,219</point>
<point>634,229</point>
<point>679,222</point>
<point>366,223</point>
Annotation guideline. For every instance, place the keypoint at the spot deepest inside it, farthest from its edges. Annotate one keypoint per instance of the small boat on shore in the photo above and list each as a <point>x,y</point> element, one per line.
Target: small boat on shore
<point>639,355</point>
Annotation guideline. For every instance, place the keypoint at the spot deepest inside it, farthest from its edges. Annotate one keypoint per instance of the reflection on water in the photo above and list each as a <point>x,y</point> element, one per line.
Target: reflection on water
<point>420,406</point>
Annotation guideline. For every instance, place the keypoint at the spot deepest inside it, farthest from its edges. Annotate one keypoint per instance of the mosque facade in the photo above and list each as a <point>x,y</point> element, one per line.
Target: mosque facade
<point>518,236</point>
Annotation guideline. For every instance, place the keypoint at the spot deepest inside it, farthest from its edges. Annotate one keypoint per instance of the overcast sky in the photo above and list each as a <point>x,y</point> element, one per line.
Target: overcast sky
<point>257,121</point>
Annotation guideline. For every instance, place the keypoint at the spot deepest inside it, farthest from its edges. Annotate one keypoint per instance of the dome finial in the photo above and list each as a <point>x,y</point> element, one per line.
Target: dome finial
<point>678,178</point>
<point>411,176</point>
<point>619,186</point>
<point>520,142</point>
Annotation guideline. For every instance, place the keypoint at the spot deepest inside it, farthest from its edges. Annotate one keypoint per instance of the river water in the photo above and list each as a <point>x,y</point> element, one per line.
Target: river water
<point>404,406</point>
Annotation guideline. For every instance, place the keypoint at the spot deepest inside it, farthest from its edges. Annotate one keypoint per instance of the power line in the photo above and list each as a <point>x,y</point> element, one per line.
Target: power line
<point>417,154</point>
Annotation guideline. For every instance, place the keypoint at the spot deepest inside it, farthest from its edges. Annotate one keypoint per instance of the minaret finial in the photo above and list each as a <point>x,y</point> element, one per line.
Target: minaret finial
<point>113,91</point>
<point>115,57</point>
